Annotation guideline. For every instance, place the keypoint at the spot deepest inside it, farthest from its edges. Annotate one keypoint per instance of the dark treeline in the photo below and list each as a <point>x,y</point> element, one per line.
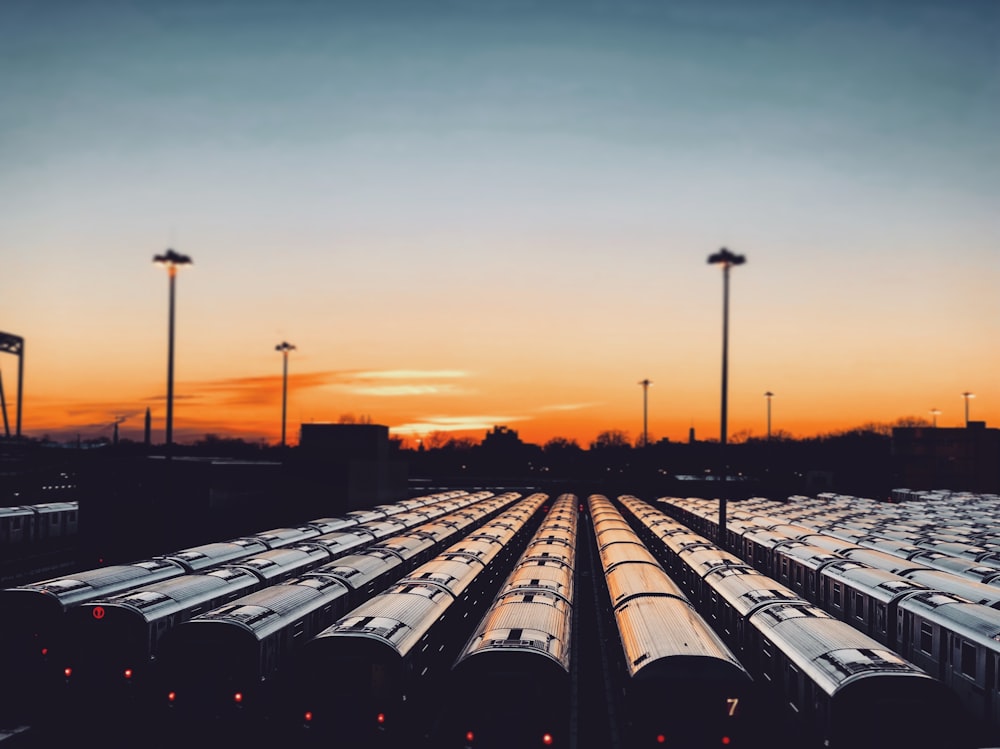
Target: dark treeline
<point>858,461</point>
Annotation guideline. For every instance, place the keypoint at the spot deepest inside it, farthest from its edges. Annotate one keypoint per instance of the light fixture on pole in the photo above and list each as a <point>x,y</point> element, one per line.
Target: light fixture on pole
<point>284,347</point>
<point>171,261</point>
<point>726,259</point>
<point>967,396</point>
<point>934,414</point>
<point>768,395</point>
<point>645,412</point>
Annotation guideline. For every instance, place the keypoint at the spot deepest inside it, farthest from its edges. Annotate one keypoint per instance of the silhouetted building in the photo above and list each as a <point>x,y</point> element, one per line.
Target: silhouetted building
<point>356,462</point>
<point>962,458</point>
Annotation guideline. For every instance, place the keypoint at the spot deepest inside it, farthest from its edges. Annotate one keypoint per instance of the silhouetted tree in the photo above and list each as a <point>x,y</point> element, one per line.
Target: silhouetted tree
<point>612,438</point>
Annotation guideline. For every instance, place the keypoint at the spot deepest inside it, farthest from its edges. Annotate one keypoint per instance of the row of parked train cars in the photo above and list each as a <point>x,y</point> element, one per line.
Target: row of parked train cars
<point>921,579</point>
<point>423,630</point>
<point>93,643</point>
<point>24,526</point>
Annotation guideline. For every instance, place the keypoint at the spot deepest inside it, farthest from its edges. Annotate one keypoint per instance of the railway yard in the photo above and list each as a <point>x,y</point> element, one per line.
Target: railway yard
<point>481,619</point>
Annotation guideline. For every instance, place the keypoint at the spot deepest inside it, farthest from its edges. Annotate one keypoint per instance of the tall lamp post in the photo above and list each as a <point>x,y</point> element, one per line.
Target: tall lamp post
<point>284,347</point>
<point>726,259</point>
<point>645,411</point>
<point>967,396</point>
<point>934,414</point>
<point>768,395</point>
<point>171,261</point>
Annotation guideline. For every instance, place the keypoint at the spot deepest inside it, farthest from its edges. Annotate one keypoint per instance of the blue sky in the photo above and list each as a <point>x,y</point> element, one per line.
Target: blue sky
<point>365,166</point>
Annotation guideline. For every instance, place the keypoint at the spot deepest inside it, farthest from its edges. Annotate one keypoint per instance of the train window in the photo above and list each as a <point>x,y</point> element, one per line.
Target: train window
<point>836,595</point>
<point>859,605</point>
<point>969,660</point>
<point>926,637</point>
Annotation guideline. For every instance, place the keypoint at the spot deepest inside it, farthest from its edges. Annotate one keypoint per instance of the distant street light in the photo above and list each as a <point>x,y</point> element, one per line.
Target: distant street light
<point>171,260</point>
<point>726,259</point>
<point>284,347</point>
<point>768,395</point>
<point>935,412</point>
<point>967,396</point>
<point>645,420</point>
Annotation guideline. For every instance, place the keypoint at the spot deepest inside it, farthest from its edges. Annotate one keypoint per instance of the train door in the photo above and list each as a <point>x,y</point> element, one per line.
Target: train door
<point>856,611</point>
<point>926,650</point>
<point>882,629</point>
<point>837,600</point>
<point>967,674</point>
<point>993,687</point>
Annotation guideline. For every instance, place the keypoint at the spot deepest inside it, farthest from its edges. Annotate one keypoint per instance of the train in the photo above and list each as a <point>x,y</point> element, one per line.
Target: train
<point>681,684</point>
<point>231,666</point>
<point>372,678</point>
<point>946,623</point>
<point>24,526</point>
<point>33,646</point>
<point>511,682</point>
<point>843,687</point>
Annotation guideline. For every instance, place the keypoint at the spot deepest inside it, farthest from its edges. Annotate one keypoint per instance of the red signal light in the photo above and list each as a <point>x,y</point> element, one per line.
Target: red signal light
<point>238,698</point>
<point>45,651</point>
<point>128,673</point>
<point>68,672</point>
<point>380,719</point>
<point>308,716</point>
<point>726,740</point>
<point>547,739</point>
<point>97,612</point>
<point>470,737</point>
<point>661,739</point>
<point>171,696</point>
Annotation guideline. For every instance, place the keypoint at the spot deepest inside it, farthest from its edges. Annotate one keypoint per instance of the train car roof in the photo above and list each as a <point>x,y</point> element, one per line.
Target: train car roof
<point>881,584</point>
<point>628,581</point>
<point>80,586</point>
<point>987,595</point>
<point>169,595</point>
<point>534,623</point>
<point>277,537</point>
<point>831,652</point>
<point>453,572</point>
<point>357,569</point>
<point>620,553</point>
<point>747,590</point>
<point>972,621</point>
<point>655,630</point>
<point>397,618</point>
<point>265,611</point>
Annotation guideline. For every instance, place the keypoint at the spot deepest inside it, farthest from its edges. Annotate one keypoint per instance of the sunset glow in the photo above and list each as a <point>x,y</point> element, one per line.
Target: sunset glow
<point>499,213</point>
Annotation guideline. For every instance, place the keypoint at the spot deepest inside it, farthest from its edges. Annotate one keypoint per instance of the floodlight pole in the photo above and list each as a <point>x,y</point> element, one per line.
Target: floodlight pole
<point>727,259</point>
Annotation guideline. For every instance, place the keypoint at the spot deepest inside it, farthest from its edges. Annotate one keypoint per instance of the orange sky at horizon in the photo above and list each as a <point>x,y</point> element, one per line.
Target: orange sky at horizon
<point>493,213</point>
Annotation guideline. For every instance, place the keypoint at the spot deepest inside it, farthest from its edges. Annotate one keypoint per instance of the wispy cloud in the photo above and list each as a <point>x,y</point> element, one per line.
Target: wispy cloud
<point>453,424</point>
<point>367,383</point>
<point>569,407</point>
<point>412,374</point>
<point>405,390</point>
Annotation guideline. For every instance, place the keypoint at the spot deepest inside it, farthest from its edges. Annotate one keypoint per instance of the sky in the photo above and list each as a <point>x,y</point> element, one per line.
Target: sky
<point>499,212</point>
